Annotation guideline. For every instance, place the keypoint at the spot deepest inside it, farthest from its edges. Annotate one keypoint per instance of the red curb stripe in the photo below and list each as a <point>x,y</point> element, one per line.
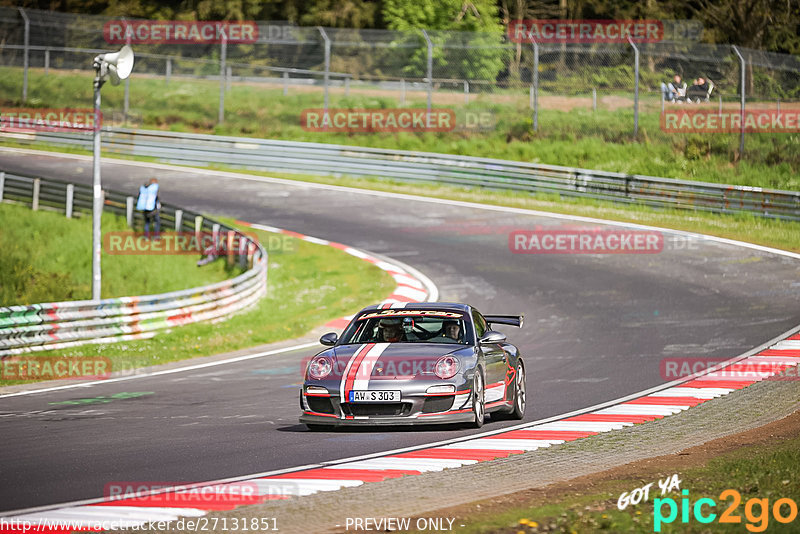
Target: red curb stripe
<point>795,336</point>
<point>786,353</point>
<point>727,384</point>
<point>613,418</point>
<point>365,475</point>
<point>543,434</point>
<point>667,401</point>
<point>459,454</point>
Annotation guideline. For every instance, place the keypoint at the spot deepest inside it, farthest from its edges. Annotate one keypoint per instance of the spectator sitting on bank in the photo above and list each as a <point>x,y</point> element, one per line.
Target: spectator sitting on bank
<point>149,205</point>
<point>698,91</point>
<point>674,91</point>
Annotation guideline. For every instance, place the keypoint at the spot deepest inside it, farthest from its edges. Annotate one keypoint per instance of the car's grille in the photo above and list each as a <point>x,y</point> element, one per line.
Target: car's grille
<point>320,404</point>
<point>438,404</point>
<point>395,408</point>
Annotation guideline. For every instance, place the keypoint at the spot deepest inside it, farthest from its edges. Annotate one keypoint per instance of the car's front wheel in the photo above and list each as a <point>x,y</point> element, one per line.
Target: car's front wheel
<point>478,400</point>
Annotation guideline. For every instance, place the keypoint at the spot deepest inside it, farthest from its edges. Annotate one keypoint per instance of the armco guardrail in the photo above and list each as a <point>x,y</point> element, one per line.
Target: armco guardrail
<point>64,324</point>
<point>324,159</point>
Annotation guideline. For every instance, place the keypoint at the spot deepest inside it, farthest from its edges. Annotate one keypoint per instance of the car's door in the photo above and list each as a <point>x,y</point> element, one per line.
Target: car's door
<point>495,358</point>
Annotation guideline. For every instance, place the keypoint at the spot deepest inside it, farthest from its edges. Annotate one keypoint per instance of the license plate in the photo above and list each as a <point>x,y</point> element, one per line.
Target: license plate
<point>374,396</point>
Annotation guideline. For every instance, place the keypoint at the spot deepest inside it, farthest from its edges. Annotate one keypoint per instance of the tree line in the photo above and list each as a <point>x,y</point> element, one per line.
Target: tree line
<point>763,24</point>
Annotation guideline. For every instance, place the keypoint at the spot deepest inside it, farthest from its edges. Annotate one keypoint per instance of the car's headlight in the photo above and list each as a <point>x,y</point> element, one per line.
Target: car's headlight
<point>446,367</point>
<point>320,367</point>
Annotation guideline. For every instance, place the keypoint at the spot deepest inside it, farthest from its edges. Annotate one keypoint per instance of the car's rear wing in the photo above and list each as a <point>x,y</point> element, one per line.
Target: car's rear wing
<point>512,320</point>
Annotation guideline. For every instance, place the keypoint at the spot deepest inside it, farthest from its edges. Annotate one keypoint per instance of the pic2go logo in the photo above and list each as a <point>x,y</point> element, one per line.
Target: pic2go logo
<point>756,511</point>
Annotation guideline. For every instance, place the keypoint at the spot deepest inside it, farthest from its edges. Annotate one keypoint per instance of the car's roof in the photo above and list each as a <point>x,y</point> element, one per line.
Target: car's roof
<point>447,306</point>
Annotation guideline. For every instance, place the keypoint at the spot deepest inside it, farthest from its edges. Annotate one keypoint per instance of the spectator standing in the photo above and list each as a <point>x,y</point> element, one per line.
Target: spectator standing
<point>150,206</point>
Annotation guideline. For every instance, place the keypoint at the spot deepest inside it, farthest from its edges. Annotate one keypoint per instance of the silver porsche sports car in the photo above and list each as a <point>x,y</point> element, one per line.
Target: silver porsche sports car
<point>422,363</point>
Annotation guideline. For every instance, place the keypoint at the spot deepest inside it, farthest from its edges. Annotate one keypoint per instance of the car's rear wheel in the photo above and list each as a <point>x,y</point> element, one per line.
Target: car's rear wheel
<point>478,400</point>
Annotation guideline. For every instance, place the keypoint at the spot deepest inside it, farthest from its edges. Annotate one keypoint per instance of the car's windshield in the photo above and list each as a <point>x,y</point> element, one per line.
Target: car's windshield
<point>407,326</point>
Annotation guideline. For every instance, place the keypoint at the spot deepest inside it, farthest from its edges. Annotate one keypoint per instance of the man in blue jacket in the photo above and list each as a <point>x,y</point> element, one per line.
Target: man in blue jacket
<point>148,204</point>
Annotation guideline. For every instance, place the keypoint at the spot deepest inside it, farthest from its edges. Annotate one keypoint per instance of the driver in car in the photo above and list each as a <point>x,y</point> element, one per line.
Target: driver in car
<point>452,330</point>
<point>391,329</point>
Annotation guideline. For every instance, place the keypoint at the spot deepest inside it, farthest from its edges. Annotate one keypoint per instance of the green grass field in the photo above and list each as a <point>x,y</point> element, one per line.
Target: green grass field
<point>308,285</point>
<point>48,258</point>
<point>578,138</point>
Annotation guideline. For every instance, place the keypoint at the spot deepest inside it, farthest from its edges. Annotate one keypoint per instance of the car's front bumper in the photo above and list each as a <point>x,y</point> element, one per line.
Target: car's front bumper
<point>424,419</point>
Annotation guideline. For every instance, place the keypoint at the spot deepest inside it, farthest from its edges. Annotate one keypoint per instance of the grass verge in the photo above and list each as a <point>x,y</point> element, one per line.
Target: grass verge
<point>576,137</point>
<point>308,285</point>
<point>48,258</point>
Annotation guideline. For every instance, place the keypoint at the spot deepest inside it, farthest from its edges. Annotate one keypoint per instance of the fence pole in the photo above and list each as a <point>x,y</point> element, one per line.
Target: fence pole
<point>2,184</point>
<point>347,86</point>
<point>742,88</point>
<point>70,198</point>
<point>37,184</point>
<point>46,61</point>
<point>430,69</point>
<point>25,54</point>
<point>222,56</point>
<point>535,85</point>
<point>635,87</point>
<point>285,82</point>
<point>126,106</point>
<point>129,211</point>
<point>228,76</point>
<point>402,91</point>
<point>327,63</point>
<point>594,100</point>
<point>662,102</point>
<point>178,220</point>
<point>466,91</point>
<point>168,70</point>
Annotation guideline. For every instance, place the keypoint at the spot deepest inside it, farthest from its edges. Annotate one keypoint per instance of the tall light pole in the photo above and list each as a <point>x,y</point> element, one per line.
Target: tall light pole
<point>116,67</point>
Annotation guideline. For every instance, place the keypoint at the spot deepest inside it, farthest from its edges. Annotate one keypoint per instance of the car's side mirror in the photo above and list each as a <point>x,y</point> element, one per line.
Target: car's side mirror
<point>492,336</point>
<point>329,339</point>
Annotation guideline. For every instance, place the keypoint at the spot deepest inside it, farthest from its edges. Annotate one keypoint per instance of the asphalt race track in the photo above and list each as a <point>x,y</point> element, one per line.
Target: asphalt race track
<point>597,328</point>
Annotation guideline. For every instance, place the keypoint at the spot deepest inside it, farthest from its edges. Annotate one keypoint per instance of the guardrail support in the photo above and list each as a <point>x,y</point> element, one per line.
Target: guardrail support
<point>215,235</point>
<point>2,184</point>
<point>198,229</point>
<point>244,243</point>
<point>35,201</point>
<point>178,220</point>
<point>229,247</point>
<point>70,198</point>
<point>129,211</point>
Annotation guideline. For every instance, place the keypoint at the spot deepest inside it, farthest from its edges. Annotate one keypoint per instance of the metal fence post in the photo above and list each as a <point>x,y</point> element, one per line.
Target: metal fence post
<point>168,70</point>
<point>594,98</point>
<point>285,82</point>
<point>198,228</point>
<point>2,184</point>
<point>46,61</point>
<point>635,87</point>
<point>327,63</point>
<point>70,198</point>
<point>466,91</point>
<point>25,54</point>
<point>402,91</point>
<point>222,55</point>
<point>129,211</point>
<point>215,235</point>
<point>36,187</point>
<point>228,77</point>
<point>178,220</point>
<point>535,46</point>
<point>430,69</point>
<point>347,86</point>
<point>742,89</point>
